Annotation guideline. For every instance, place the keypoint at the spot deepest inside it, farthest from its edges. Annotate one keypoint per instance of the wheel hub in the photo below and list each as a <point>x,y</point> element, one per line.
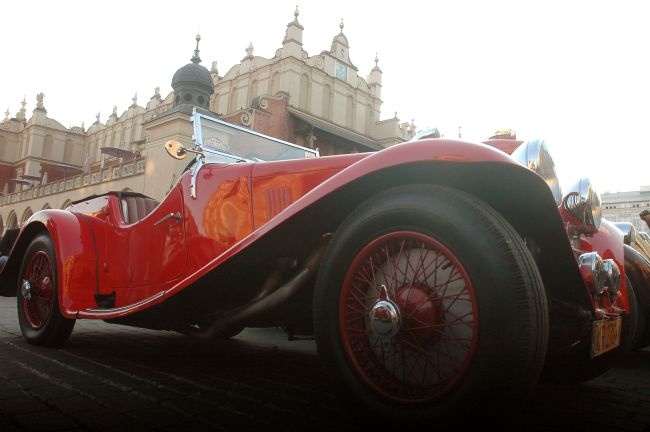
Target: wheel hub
<point>26,290</point>
<point>422,312</point>
<point>385,320</point>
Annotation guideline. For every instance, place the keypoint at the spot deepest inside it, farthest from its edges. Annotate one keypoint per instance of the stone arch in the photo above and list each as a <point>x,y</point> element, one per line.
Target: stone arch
<point>349,112</point>
<point>215,99</point>
<point>327,102</point>
<point>12,220</point>
<point>369,120</point>
<point>253,91</point>
<point>68,151</point>
<point>26,215</point>
<point>3,148</point>
<point>46,206</point>
<point>127,189</point>
<point>233,104</point>
<point>66,203</point>
<point>47,147</point>
<point>275,84</point>
<point>305,87</point>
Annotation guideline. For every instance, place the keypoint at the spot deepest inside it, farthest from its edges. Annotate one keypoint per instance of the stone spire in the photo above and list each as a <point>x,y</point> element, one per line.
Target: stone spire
<point>249,52</point>
<point>196,59</point>
<point>7,114</point>
<point>39,102</point>
<point>39,115</point>
<point>193,83</point>
<point>374,79</point>
<point>292,43</point>
<point>340,47</point>
<point>156,94</point>
<point>376,68</point>
<point>134,99</point>
<point>20,115</point>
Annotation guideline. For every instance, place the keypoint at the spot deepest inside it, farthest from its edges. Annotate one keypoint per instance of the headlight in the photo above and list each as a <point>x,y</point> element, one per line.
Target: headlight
<point>612,277</point>
<point>535,155</point>
<point>593,272</point>
<point>583,204</point>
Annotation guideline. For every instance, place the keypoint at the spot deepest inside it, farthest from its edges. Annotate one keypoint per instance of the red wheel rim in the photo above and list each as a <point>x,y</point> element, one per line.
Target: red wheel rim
<point>424,353</point>
<point>37,300</point>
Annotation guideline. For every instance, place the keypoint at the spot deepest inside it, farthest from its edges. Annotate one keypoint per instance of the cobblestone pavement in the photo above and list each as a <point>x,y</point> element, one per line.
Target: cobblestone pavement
<point>111,377</point>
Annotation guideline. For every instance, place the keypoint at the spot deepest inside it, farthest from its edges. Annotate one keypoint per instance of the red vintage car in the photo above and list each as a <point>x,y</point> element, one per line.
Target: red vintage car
<point>432,274</point>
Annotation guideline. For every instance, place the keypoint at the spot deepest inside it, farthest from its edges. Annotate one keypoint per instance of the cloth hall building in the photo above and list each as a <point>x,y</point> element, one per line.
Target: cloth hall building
<point>319,101</point>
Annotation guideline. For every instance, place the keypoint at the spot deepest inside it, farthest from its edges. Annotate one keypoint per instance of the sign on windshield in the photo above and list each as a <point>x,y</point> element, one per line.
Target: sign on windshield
<point>231,143</point>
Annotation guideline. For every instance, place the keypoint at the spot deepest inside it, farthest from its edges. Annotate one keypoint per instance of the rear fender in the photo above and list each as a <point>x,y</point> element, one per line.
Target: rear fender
<point>74,247</point>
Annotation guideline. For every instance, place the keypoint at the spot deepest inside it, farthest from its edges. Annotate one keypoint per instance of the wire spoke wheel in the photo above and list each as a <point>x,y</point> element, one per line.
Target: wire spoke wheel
<point>427,303</point>
<point>40,318</point>
<point>425,347</point>
<point>37,290</point>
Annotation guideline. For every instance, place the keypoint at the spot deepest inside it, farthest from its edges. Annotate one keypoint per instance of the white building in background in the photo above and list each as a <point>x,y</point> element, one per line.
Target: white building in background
<point>626,206</point>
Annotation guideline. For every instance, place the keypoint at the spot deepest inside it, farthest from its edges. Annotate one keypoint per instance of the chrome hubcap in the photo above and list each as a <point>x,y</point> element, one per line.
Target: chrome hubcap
<point>26,290</point>
<point>385,319</point>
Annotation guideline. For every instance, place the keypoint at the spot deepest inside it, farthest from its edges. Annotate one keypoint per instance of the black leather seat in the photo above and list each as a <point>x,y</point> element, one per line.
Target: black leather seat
<point>135,207</point>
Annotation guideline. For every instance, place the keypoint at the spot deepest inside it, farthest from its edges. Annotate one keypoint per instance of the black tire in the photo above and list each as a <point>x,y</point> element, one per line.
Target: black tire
<point>499,283</point>
<point>229,332</point>
<point>642,337</point>
<point>41,322</point>
<point>581,367</point>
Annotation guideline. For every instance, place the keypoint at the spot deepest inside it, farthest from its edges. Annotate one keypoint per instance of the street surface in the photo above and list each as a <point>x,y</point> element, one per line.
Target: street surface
<point>110,377</point>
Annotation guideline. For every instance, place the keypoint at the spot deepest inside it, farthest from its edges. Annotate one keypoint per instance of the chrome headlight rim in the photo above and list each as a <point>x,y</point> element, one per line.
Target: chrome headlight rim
<point>535,155</point>
<point>582,202</point>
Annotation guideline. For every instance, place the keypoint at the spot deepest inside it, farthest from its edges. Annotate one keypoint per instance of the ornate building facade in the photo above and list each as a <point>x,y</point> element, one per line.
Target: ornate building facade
<point>318,101</point>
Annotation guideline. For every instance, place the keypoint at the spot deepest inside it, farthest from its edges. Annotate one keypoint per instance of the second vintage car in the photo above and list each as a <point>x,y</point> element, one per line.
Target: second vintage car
<point>433,274</point>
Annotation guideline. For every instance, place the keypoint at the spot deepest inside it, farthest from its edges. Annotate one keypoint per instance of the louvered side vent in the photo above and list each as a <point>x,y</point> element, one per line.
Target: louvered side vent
<point>277,199</point>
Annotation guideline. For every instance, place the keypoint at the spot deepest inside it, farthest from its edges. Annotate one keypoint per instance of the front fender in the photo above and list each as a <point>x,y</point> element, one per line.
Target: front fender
<point>76,259</point>
<point>637,269</point>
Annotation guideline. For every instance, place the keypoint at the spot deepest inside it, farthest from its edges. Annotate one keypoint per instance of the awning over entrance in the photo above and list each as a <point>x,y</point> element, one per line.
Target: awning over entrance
<point>119,153</point>
<point>333,129</point>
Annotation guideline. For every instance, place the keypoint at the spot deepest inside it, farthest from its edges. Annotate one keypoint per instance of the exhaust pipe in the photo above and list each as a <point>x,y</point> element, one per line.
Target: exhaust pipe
<point>268,297</point>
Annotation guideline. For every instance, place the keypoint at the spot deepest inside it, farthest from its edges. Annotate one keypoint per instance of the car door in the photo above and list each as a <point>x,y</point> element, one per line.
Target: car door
<point>155,251</point>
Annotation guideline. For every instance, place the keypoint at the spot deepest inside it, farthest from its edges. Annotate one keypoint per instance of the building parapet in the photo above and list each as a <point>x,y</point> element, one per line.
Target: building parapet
<point>128,169</point>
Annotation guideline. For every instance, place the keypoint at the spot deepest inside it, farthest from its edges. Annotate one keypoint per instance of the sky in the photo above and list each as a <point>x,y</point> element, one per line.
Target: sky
<point>575,73</point>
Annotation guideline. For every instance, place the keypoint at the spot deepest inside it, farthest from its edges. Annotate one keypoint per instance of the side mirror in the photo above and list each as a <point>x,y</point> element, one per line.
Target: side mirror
<point>175,149</point>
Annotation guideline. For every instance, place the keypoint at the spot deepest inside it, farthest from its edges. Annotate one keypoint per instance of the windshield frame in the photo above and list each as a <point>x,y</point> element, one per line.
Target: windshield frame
<point>202,122</point>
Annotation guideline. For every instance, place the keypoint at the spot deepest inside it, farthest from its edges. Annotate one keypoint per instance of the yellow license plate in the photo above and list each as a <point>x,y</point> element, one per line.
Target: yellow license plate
<point>606,336</point>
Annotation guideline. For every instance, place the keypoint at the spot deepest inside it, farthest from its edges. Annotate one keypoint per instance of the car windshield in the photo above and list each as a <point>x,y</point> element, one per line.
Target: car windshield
<point>225,142</point>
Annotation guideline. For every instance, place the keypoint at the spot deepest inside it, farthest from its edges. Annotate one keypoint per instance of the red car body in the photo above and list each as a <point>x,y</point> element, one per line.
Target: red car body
<point>242,244</point>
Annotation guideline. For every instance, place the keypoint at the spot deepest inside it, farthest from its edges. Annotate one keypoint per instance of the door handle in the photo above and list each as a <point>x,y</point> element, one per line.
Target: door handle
<point>176,216</point>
